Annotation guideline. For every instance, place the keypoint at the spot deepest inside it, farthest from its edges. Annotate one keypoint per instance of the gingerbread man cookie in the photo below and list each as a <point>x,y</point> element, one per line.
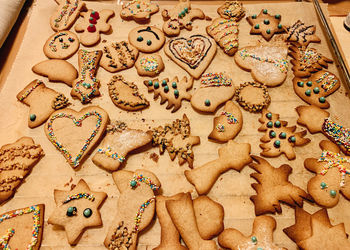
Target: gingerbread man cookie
<point>232,9</point>
<point>77,210</point>
<point>316,88</point>
<point>260,238</point>
<point>149,65</point>
<point>42,101</point>
<point>139,10</point>
<point>118,142</point>
<point>66,13</point>
<point>302,34</point>
<point>147,39</point>
<point>135,208</point>
<point>180,17</point>
<point>86,86</point>
<point>92,25</point>
<point>173,91</point>
<point>61,45</point>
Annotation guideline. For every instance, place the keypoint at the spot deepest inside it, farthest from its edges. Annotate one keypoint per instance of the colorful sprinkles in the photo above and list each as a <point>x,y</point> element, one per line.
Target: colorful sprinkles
<point>64,12</point>
<point>337,133</point>
<point>230,117</point>
<point>328,81</point>
<point>4,241</point>
<point>29,91</point>
<point>138,179</point>
<point>141,211</point>
<point>220,128</point>
<point>108,152</point>
<point>215,80</point>
<point>149,64</point>
<point>78,196</point>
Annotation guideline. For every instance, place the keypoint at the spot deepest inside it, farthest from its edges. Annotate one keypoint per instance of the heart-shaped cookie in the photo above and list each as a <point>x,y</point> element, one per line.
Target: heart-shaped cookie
<point>193,54</point>
<point>74,134</point>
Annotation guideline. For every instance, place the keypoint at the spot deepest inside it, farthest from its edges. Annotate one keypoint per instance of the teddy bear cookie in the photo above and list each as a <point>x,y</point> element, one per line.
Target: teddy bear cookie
<point>232,9</point>
<point>231,156</point>
<point>149,65</point>
<point>274,187</point>
<point>252,96</point>
<point>279,139</point>
<point>215,89</point>
<point>193,54</point>
<point>260,238</point>
<point>77,210</point>
<point>138,10</point>
<point>61,45</point>
<point>117,143</point>
<point>118,56</point>
<point>225,33</point>
<point>125,95</point>
<point>179,17</point>
<point>74,133</point>
<point>66,13</point>
<point>227,124</point>
<point>267,62</point>
<point>265,24</point>
<point>42,101</point>
<point>176,138</point>
<point>86,86</point>
<point>302,34</point>
<point>173,91</point>
<point>135,207</point>
<point>16,161</point>
<point>147,39</point>
<point>92,24</point>
<point>22,228</point>
<point>316,88</point>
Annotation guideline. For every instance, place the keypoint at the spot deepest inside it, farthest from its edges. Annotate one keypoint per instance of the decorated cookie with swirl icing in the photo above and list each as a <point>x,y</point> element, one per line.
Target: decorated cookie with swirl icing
<point>232,9</point>
<point>149,65</point>
<point>267,62</point>
<point>138,10</point>
<point>302,34</point>
<point>193,54</point>
<point>147,39</point>
<point>76,210</point>
<point>61,45</point>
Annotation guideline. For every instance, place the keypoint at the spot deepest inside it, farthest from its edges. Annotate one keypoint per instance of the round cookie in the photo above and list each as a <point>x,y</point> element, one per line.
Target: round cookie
<point>147,39</point>
<point>61,45</point>
<point>149,65</point>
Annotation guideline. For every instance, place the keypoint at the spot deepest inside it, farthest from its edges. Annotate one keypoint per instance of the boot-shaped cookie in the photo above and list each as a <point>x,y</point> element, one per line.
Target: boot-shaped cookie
<point>135,209</point>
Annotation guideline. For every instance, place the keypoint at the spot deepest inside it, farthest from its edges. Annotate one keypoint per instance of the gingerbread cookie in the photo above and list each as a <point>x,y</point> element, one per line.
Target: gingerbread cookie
<point>176,138</point>
<point>267,62</point>
<point>332,175</point>
<point>225,33</point>
<point>16,162</point>
<point>302,34</point>
<point>56,70</point>
<point>317,120</point>
<point>147,39</point>
<point>274,187</point>
<point>231,156</point>
<point>279,139</point>
<point>228,124</point>
<point>22,228</point>
<point>232,9</point>
<point>61,45</point>
<point>252,96</point>
<point>135,207</point>
<point>42,101</point>
<point>316,88</point>
<point>149,65</point>
<point>77,210</point>
<point>265,24</point>
<point>215,89</point>
<point>66,13</point>
<point>118,56</point>
<point>183,216</point>
<point>316,231</point>
<point>125,95</point>
<point>173,91</point>
<point>92,24</point>
<point>260,238</point>
<point>86,86</point>
<point>307,61</point>
<point>179,17</point>
<point>74,133</point>
<point>193,54</point>
<point>139,10</point>
<point>117,143</point>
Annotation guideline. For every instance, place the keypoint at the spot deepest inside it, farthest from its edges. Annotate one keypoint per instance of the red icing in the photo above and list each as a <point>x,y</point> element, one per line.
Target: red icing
<point>91,28</point>
<point>92,20</point>
<point>95,15</point>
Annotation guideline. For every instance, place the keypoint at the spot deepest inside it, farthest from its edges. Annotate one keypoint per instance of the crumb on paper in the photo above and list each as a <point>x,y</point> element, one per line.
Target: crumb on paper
<point>66,185</point>
<point>154,157</point>
<point>143,119</point>
<point>104,41</point>
<point>208,18</point>
<point>71,179</point>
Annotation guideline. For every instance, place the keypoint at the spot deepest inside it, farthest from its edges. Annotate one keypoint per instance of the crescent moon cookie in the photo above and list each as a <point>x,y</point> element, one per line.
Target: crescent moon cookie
<point>139,10</point>
<point>232,9</point>
<point>302,34</point>
<point>267,62</point>
<point>265,24</point>
<point>147,39</point>
<point>179,17</point>
<point>61,45</point>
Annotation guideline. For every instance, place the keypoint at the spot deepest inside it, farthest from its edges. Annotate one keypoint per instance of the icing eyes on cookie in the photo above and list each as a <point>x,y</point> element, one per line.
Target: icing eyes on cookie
<point>71,211</point>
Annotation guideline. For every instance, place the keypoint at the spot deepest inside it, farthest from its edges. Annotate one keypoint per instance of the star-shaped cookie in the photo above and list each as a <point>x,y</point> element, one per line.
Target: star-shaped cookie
<point>77,210</point>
